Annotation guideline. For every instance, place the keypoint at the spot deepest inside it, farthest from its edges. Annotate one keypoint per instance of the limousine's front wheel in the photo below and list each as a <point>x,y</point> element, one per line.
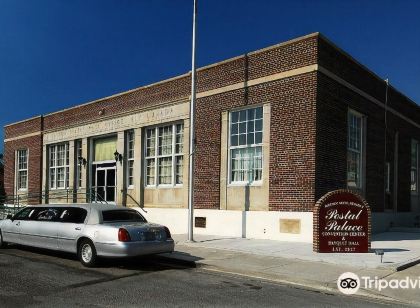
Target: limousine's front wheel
<point>87,253</point>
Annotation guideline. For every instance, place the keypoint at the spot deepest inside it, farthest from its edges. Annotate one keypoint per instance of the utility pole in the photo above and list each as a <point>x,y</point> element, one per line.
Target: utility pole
<point>192,137</point>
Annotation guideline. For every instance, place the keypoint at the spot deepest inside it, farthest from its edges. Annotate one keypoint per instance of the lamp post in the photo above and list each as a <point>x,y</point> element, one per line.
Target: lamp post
<point>192,137</point>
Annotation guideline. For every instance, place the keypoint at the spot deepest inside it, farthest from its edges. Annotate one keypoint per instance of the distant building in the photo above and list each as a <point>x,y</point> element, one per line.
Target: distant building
<point>276,129</point>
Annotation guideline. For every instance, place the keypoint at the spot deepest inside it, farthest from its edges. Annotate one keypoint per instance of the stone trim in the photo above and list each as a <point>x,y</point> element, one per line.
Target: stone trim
<point>232,196</point>
<point>257,81</point>
<point>129,121</point>
<point>237,86</point>
<point>23,136</point>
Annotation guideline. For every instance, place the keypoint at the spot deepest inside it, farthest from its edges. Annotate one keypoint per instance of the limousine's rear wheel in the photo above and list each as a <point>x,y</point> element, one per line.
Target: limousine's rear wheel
<point>87,253</point>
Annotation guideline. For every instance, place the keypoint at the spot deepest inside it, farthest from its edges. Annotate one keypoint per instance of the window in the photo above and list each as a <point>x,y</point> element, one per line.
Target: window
<point>246,155</point>
<point>130,159</point>
<point>104,149</point>
<point>164,155</point>
<point>354,150</point>
<point>23,214</point>
<point>414,166</point>
<point>22,169</point>
<point>79,153</point>
<point>74,215</point>
<point>48,214</point>
<point>28,213</point>
<point>59,166</point>
<point>122,215</point>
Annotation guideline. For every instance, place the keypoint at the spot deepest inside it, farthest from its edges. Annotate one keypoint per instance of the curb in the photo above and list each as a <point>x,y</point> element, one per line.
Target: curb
<point>178,260</point>
<point>319,287</point>
<point>395,268</point>
<point>408,264</point>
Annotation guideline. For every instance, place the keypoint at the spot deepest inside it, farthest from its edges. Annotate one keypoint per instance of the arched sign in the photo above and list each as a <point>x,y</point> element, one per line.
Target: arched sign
<point>342,223</point>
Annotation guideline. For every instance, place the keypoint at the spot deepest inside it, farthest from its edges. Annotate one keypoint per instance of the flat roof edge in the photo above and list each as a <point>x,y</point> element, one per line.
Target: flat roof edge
<point>183,75</point>
<point>22,121</point>
<point>345,53</point>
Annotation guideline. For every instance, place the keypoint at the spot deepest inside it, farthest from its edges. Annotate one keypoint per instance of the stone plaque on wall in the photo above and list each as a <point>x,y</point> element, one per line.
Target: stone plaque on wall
<point>342,223</point>
<point>290,226</point>
<point>200,222</point>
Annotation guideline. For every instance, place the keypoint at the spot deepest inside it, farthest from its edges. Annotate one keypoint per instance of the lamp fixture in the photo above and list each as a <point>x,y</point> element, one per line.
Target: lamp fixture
<point>82,160</point>
<point>118,157</point>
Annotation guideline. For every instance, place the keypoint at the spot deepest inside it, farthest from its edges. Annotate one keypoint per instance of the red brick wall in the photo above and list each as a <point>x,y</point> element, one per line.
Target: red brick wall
<point>23,128</point>
<point>34,147</point>
<point>291,180</point>
<point>282,58</point>
<point>144,97</point>
<point>333,102</point>
<point>292,147</point>
<point>292,144</point>
<point>254,65</point>
<point>341,64</point>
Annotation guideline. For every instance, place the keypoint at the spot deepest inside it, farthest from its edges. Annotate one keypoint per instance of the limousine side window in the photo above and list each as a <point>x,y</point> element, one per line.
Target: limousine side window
<point>74,215</point>
<point>33,214</point>
<point>23,214</point>
<point>48,214</point>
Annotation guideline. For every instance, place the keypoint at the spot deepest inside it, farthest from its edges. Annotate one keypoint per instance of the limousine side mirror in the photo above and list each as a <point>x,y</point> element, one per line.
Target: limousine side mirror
<point>9,216</point>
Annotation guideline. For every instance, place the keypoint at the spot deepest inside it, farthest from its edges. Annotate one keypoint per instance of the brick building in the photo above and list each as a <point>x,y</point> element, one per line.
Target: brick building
<point>275,130</point>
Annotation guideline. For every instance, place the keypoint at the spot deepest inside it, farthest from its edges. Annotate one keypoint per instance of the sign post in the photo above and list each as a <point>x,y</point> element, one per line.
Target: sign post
<point>342,223</point>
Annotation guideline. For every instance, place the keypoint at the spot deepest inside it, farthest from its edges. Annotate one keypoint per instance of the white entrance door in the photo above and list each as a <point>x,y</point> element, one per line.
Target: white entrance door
<point>105,179</point>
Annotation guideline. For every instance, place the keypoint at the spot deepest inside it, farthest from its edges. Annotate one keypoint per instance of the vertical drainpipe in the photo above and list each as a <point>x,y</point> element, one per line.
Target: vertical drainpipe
<point>41,162</point>
<point>395,173</point>
<point>385,139</point>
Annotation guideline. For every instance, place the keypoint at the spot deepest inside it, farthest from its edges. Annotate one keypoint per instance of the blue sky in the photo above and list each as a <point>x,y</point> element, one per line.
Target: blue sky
<point>57,53</point>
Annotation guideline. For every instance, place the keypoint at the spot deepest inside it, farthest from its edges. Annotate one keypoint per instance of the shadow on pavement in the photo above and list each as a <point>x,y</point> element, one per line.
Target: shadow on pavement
<point>143,263</point>
<point>396,236</point>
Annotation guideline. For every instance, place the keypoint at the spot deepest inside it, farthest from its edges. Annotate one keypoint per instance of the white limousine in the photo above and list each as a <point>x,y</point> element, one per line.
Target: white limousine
<point>89,230</point>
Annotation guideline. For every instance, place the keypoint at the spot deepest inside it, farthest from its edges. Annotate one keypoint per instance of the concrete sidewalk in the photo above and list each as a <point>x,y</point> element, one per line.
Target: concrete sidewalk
<point>295,263</point>
<point>400,249</point>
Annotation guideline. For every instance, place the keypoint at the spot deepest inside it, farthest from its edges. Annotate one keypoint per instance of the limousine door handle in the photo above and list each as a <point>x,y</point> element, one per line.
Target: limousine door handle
<point>78,228</point>
<point>18,223</point>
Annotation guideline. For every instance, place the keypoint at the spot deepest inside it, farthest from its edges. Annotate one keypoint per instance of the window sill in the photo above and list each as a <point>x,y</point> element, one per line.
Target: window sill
<point>244,184</point>
<point>164,187</point>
